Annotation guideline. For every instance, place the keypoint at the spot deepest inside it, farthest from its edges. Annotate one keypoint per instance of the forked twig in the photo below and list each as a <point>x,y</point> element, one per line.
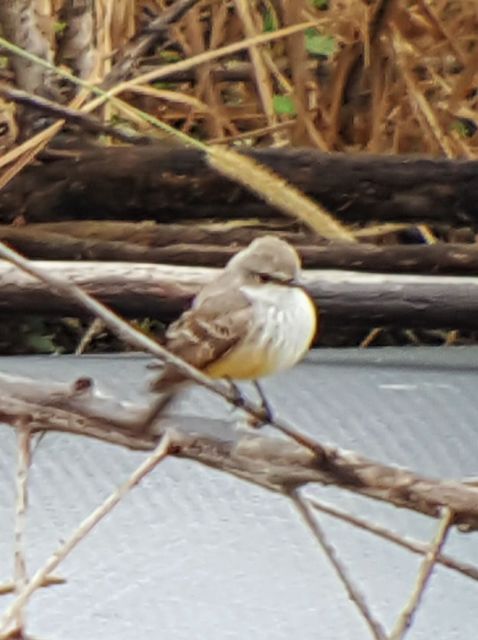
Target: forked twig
<point>83,529</point>
<point>426,569</point>
<point>354,594</point>
<point>414,546</point>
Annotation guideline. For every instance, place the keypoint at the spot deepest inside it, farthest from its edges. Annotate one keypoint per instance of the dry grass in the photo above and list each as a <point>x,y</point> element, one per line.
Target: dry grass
<point>401,78</point>
<point>393,77</point>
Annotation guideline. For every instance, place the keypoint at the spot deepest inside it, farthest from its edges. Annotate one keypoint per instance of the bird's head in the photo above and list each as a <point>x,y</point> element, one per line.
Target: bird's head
<point>267,259</point>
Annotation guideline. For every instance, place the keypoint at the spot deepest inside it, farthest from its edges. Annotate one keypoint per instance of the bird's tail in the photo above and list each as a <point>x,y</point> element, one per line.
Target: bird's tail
<point>168,379</point>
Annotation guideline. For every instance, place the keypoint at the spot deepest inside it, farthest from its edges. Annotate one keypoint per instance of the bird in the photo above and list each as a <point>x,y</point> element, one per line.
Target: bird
<point>253,320</point>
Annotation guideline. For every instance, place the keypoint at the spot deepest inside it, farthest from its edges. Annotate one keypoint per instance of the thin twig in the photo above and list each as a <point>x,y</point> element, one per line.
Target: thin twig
<point>414,546</point>
<point>426,569</point>
<point>23,465</point>
<point>50,581</point>
<point>75,116</point>
<point>354,594</point>
<point>370,337</point>
<point>93,329</point>
<point>84,528</point>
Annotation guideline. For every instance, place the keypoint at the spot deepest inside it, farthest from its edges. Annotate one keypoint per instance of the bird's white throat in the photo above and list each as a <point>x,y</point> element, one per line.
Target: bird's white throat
<point>287,322</point>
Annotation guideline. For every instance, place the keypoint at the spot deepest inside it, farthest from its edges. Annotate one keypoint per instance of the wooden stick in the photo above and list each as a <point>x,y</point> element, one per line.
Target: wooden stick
<point>343,298</point>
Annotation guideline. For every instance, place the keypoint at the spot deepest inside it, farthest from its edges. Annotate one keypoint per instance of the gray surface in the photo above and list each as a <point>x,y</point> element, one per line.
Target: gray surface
<point>193,553</point>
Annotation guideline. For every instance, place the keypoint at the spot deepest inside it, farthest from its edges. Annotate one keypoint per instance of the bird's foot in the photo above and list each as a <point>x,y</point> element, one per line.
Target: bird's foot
<point>265,416</point>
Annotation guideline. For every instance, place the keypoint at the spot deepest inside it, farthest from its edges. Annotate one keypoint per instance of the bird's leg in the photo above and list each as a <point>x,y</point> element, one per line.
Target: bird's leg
<point>265,405</point>
<point>238,395</point>
<point>239,401</point>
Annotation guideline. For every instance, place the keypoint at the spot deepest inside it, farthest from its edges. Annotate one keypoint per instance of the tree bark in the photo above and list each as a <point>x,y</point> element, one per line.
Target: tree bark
<point>344,299</point>
<point>200,246</point>
<point>151,183</point>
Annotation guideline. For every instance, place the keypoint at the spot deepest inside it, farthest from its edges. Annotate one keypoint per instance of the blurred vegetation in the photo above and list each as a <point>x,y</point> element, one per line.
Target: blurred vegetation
<point>385,76</point>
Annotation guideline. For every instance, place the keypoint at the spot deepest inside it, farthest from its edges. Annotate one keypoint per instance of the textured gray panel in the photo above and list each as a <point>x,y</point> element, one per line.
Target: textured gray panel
<point>192,553</point>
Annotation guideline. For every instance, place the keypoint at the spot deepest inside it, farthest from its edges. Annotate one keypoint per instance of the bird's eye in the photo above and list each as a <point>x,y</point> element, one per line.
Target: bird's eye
<point>264,277</point>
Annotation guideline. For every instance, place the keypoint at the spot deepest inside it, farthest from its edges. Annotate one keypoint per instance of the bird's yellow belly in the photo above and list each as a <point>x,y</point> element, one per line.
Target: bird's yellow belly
<point>243,363</point>
<point>280,340</point>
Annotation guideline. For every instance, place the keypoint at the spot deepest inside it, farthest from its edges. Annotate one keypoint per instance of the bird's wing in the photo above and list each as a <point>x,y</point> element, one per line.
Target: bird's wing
<point>206,332</point>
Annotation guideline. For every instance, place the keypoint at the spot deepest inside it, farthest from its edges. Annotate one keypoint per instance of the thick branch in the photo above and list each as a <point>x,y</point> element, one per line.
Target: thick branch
<point>148,183</point>
<point>343,298</point>
<point>278,465</point>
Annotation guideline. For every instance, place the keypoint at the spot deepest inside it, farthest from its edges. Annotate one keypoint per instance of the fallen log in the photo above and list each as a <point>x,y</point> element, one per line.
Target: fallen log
<point>161,246</point>
<point>345,299</point>
<point>153,183</point>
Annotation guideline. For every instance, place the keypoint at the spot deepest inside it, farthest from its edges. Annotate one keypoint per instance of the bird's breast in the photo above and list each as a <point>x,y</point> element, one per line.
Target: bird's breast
<point>288,327</point>
<point>284,327</point>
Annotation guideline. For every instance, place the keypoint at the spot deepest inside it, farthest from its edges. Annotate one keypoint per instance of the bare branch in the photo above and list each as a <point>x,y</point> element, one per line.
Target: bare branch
<point>278,465</point>
<point>386,534</point>
<point>354,594</point>
<point>23,465</point>
<point>20,25</point>
<point>406,616</point>
<point>84,528</point>
<point>355,187</point>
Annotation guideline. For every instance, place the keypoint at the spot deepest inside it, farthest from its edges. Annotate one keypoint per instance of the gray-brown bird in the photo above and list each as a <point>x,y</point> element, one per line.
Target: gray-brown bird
<point>253,320</point>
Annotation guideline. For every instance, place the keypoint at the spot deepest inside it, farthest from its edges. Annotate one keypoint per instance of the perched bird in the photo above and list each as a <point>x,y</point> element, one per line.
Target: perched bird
<point>252,321</point>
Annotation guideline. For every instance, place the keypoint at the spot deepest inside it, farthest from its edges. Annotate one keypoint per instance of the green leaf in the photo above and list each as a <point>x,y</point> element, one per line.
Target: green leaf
<point>463,127</point>
<point>319,44</point>
<point>169,56</point>
<point>284,105</point>
<point>270,21</point>
<point>59,27</point>
<point>40,344</point>
<point>164,85</point>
